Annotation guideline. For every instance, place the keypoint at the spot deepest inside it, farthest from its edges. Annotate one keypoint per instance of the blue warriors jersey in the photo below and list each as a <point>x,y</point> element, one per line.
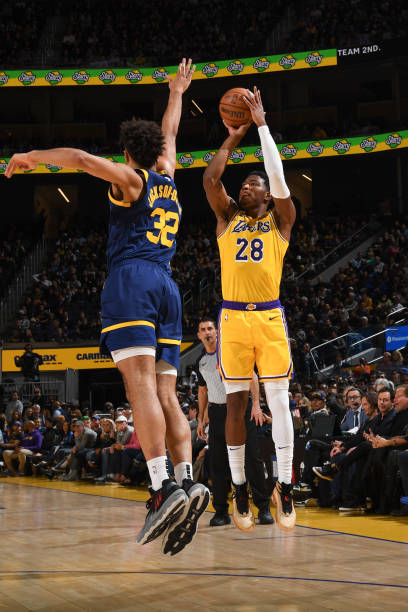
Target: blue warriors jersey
<point>145,229</point>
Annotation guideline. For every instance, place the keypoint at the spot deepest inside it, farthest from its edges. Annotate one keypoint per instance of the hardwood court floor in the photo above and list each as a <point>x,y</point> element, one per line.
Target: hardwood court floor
<point>71,547</point>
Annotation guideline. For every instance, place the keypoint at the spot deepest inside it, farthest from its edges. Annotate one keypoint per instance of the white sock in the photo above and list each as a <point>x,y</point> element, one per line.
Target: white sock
<point>282,427</point>
<point>236,458</point>
<point>158,471</point>
<point>183,470</point>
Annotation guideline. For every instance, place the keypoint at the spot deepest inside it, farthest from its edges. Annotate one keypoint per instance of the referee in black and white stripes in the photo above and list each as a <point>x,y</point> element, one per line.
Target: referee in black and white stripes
<point>212,402</point>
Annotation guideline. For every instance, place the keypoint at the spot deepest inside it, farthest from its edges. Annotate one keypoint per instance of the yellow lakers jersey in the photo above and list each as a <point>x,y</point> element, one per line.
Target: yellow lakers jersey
<point>251,253</point>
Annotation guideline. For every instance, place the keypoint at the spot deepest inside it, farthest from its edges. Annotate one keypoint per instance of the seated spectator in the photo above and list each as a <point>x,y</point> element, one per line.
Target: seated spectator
<point>355,414</point>
<point>122,437</point>
<point>130,454</point>
<point>38,414</point>
<point>29,444</point>
<point>105,438</point>
<point>84,440</point>
<point>28,414</point>
<point>38,397</point>
<point>384,455</point>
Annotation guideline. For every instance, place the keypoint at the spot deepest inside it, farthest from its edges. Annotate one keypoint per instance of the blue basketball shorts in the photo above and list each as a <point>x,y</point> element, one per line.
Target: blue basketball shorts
<point>141,306</point>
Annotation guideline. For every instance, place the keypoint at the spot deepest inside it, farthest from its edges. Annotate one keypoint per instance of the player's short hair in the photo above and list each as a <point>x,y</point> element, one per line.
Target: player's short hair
<point>143,140</point>
<point>262,175</point>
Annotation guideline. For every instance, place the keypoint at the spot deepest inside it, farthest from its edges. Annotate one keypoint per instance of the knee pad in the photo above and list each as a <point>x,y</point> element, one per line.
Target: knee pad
<point>234,387</point>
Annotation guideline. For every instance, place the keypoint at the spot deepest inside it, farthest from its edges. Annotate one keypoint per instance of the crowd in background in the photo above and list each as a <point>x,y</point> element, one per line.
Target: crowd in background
<point>64,300</point>
<point>14,247</point>
<point>350,428</point>
<point>88,34</point>
<point>62,305</point>
<point>339,23</point>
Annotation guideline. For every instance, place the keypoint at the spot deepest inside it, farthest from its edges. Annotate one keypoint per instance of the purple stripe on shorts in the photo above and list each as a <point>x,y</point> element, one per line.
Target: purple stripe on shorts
<point>251,305</point>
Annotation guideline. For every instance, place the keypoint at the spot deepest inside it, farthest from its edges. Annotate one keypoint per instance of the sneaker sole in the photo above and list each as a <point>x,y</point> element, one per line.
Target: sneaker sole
<point>278,504</point>
<point>183,529</point>
<point>170,513</point>
<point>236,520</point>
<point>329,478</point>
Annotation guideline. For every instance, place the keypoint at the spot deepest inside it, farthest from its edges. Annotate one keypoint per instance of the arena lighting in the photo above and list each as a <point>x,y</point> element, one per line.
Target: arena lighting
<point>307,177</point>
<point>197,107</point>
<point>63,195</point>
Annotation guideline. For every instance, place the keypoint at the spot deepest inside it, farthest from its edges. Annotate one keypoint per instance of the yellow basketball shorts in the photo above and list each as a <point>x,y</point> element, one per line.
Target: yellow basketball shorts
<point>253,335</point>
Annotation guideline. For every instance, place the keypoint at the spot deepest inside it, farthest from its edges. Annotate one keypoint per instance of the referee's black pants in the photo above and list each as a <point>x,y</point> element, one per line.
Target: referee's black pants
<point>219,465</point>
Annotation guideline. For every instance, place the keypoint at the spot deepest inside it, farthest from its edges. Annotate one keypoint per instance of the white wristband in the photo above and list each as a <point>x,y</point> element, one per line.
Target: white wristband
<point>273,164</point>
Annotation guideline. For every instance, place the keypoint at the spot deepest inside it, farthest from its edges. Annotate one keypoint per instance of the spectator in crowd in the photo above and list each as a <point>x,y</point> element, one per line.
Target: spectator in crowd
<point>11,437</point>
<point>38,414</point>
<point>122,437</point>
<point>355,414</point>
<point>15,404</point>
<point>383,459</point>
<point>38,398</point>
<point>105,438</point>
<point>84,440</point>
<point>29,444</point>
<point>29,363</point>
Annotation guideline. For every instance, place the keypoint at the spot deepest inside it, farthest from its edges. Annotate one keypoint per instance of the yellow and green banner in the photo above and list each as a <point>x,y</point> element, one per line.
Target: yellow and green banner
<point>333,147</point>
<point>148,76</point>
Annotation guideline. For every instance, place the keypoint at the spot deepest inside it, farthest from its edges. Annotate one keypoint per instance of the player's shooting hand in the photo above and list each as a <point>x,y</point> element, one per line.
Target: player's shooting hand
<point>19,161</point>
<point>254,103</point>
<point>182,80</point>
<point>257,415</point>
<point>238,132</point>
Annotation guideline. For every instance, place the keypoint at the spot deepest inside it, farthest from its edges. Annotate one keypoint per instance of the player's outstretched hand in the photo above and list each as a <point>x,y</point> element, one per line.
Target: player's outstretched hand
<point>182,80</point>
<point>238,132</point>
<point>19,161</point>
<point>254,103</point>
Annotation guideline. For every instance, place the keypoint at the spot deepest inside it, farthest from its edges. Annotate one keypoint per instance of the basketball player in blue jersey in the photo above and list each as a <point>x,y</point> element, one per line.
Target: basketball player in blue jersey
<point>141,310</point>
<point>252,241</point>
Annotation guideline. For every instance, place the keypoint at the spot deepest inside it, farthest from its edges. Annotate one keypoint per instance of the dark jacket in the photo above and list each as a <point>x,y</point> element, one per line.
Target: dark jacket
<point>399,422</point>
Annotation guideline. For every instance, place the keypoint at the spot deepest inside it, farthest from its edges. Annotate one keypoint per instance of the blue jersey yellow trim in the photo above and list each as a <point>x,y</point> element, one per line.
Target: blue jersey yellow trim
<point>128,324</point>
<point>146,228</point>
<point>168,341</point>
<point>118,202</point>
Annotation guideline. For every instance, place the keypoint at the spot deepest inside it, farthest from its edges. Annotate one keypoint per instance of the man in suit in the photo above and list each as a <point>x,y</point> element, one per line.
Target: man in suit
<point>355,415</point>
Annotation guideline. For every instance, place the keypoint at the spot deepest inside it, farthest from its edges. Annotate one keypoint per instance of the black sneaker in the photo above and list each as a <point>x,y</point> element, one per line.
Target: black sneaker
<point>265,517</point>
<point>241,510</point>
<point>218,520</point>
<point>283,500</point>
<point>165,505</point>
<point>181,530</point>
<point>326,471</point>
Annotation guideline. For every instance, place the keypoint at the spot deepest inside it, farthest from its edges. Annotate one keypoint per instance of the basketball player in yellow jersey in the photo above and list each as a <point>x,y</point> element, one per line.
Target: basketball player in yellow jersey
<point>252,241</point>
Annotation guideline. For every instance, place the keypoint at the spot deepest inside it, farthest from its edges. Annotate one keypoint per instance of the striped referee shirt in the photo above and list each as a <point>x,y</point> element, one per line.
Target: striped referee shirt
<point>209,376</point>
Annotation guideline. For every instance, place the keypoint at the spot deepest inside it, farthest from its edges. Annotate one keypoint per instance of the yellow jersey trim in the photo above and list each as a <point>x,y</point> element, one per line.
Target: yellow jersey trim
<point>228,226</point>
<point>145,173</point>
<point>168,341</point>
<point>276,227</point>
<point>118,202</point>
<point>127,324</point>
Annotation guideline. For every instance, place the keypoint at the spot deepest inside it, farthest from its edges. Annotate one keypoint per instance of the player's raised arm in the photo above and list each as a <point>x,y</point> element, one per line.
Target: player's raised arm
<point>285,211</point>
<point>221,203</point>
<point>172,115</point>
<point>120,174</point>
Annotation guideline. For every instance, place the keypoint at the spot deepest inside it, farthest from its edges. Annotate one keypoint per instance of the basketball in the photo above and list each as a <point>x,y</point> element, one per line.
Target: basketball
<point>233,109</point>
